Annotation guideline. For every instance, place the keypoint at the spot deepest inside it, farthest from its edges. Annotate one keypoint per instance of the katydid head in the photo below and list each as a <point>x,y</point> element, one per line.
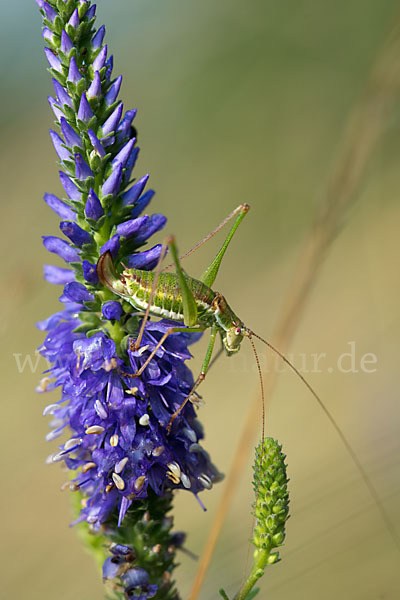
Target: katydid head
<point>232,338</point>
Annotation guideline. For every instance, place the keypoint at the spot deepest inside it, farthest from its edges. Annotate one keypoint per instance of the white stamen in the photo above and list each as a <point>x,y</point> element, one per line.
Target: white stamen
<point>95,429</point>
<point>186,481</point>
<point>101,411</point>
<point>87,466</point>
<point>158,451</point>
<point>144,420</point>
<point>74,487</point>
<point>119,482</point>
<point>139,483</point>
<point>72,442</point>
<point>114,439</point>
<point>50,409</point>
<point>195,448</point>
<point>143,349</point>
<point>52,435</point>
<point>175,469</point>
<point>65,486</point>
<point>92,519</point>
<point>205,481</point>
<point>110,365</point>
<point>44,384</point>
<point>190,434</point>
<point>56,457</point>
<point>132,391</point>
<point>119,467</point>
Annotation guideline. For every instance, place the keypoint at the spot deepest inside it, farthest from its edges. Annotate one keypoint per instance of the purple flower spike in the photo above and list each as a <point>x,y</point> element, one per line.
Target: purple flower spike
<point>70,188</point>
<point>125,126</point>
<point>94,140</point>
<point>109,67</point>
<point>98,38</point>
<point>111,124</point>
<point>82,169</point>
<point>130,197</point>
<point>59,146</point>
<point>112,245</point>
<point>58,275</point>
<point>93,208</point>
<point>100,60</point>
<point>113,92</point>
<point>112,184</point>
<point>76,292</point>
<point>53,61</point>
<point>78,236</point>
<point>146,260</point>
<point>61,248</point>
<point>62,95</point>
<point>142,203</point>
<point>71,137</point>
<point>66,43</point>
<point>57,111</point>
<point>89,272</point>
<point>112,310</point>
<point>74,20</point>
<point>94,90</point>
<point>74,75</point>
<point>155,223</point>
<point>124,153</point>
<point>131,227</point>
<point>59,207</point>
<point>85,113</point>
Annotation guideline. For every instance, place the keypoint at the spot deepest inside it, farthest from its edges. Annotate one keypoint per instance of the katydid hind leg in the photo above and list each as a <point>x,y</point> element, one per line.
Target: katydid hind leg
<point>201,377</point>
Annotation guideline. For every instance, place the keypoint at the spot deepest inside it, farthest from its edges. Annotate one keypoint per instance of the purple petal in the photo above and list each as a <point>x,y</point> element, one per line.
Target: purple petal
<point>111,124</point>
<point>82,169</point>
<point>146,260</point>
<point>98,37</point>
<point>62,95</point>
<point>70,188</point>
<point>74,20</point>
<point>125,125</point>
<point>112,310</point>
<point>132,226</point>
<point>76,292</point>
<point>94,90</point>
<point>109,67</point>
<point>66,43</point>
<point>59,207</point>
<point>93,208</point>
<point>100,60</point>
<point>142,203</point>
<point>78,236</point>
<point>112,245</point>
<point>85,113</point>
<point>155,223</point>
<point>124,153</point>
<point>125,504</point>
<point>59,146</point>
<point>91,12</point>
<point>58,275</point>
<point>70,135</point>
<point>113,183</point>
<point>61,248</point>
<point>57,111</point>
<point>113,92</point>
<point>135,191</point>
<point>49,11</point>
<point>89,272</point>
<point>130,163</point>
<point>53,61</point>
<point>48,35</point>
<point>74,75</point>
<point>94,140</point>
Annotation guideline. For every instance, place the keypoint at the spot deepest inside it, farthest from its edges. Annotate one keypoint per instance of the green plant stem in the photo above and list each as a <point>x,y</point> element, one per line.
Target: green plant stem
<point>260,562</point>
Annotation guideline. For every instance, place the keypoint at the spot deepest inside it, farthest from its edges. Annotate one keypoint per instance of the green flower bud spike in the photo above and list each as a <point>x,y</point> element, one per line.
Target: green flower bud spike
<point>271,511</point>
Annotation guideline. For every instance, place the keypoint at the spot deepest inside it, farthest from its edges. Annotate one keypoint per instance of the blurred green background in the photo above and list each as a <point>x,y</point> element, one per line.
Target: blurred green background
<point>238,101</point>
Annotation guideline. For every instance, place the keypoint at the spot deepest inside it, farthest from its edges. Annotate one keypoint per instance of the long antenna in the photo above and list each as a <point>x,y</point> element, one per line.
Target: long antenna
<point>346,443</point>
<point>261,385</point>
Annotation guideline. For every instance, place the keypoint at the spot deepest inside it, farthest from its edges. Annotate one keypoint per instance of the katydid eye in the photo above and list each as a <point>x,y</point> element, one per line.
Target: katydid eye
<point>238,331</point>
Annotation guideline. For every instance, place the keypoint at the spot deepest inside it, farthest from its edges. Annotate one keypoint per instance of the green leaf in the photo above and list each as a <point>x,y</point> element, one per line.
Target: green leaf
<point>223,594</point>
